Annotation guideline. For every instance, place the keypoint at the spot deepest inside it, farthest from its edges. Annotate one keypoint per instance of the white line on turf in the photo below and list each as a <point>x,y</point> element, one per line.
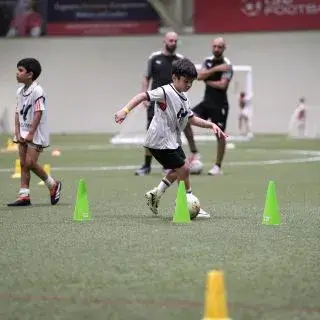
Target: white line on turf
<point>132,167</point>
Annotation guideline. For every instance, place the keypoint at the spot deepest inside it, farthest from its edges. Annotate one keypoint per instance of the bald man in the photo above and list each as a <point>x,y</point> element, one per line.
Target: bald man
<point>158,73</point>
<point>216,73</point>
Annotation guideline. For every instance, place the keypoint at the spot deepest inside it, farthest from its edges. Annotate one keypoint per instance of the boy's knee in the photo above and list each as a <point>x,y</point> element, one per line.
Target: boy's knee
<point>30,163</point>
<point>23,163</point>
<point>184,171</point>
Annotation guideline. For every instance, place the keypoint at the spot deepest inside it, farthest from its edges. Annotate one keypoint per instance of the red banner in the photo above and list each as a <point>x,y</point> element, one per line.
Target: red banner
<point>102,28</point>
<point>255,15</point>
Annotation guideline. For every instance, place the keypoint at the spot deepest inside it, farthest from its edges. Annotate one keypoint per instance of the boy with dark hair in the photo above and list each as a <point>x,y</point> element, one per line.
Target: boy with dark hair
<point>31,131</point>
<point>163,138</point>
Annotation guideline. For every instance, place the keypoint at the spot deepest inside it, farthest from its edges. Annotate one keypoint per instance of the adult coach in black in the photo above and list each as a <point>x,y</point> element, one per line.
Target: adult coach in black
<point>159,73</point>
<point>214,105</point>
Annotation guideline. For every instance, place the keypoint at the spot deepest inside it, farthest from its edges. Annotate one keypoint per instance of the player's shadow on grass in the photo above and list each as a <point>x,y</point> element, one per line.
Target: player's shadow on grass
<point>37,205</point>
<point>5,207</point>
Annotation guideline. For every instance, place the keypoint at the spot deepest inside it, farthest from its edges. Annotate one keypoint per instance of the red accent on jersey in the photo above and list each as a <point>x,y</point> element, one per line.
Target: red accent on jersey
<point>163,106</point>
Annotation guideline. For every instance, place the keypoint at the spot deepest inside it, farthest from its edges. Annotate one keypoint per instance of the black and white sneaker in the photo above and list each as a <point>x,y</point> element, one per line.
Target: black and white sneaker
<point>55,193</point>
<point>153,200</point>
<point>20,202</point>
<point>144,170</point>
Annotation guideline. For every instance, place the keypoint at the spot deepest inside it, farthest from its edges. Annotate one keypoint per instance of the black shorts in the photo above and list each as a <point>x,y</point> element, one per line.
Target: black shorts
<point>217,114</point>
<point>169,158</point>
<point>150,113</point>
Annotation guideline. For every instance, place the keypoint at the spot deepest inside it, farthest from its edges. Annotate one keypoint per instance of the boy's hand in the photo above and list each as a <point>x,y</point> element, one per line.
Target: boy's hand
<point>18,138</point>
<point>218,132</point>
<point>29,137</point>
<point>120,116</point>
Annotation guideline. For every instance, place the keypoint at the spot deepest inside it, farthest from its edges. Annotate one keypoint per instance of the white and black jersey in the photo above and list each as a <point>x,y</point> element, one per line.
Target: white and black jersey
<point>29,101</point>
<point>171,114</point>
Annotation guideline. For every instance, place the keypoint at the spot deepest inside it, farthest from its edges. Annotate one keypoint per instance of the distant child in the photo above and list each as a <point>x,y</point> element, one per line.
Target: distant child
<point>298,120</point>
<point>245,113</point>
<point>31,131</point>
<point>163,138</point>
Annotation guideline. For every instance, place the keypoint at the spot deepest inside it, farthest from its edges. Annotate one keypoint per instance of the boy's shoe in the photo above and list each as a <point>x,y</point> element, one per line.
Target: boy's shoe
<point>215,171</point>
<point>20,202</point>
<point>144,170</point>
<point>153,200</point>
<point>55,193</point>
<point>203,214</point>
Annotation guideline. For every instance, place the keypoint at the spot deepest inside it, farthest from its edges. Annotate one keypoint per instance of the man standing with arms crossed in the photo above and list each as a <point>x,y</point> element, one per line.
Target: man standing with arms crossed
<point>214,105</point>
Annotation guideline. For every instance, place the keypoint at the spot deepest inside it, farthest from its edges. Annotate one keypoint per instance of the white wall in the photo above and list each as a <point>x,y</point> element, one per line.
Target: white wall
<point>88,79</point>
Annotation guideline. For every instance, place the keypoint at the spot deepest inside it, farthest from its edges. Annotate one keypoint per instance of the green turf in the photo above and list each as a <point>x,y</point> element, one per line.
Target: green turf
<point>127,264</point>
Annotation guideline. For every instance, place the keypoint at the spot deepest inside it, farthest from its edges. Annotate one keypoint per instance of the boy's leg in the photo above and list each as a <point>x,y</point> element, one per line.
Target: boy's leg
<point>146,167</point>
<point>219,116</point>
<point>175,161</point>
<point>54,186</point>
<point>24,192</point>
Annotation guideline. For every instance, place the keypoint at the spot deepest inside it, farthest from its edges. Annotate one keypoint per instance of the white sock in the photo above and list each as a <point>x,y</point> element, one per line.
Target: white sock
<point>163,186</point>
<point>50,182</point>
<point>24,192</point>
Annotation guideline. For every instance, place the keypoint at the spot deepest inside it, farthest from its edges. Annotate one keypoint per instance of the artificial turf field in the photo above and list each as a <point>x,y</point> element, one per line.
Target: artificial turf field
<point>127,264</point>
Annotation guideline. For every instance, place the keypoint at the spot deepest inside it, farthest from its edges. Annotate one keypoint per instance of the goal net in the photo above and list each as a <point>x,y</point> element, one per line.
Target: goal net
<point>134,128</point>
<point>310,129</point>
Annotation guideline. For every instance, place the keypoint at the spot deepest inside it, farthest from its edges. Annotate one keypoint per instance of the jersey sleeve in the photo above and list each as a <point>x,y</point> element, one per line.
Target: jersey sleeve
<point>38,99</point>
<point>227,74</point>
<point>148,72</point>
<point>157,94</point>
<point>17,99</point>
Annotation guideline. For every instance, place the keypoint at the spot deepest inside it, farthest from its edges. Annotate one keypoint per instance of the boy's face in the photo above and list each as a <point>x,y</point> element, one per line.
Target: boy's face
<point>22,75</point>
<point>183,84</point>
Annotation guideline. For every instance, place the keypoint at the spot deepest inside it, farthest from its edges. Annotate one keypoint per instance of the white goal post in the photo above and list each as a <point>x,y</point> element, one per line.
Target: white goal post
<point>133,129</point>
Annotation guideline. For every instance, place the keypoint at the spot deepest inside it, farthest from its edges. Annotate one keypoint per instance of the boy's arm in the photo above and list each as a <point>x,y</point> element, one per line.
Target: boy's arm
<point>17,125</point>
<point>36,120</point>
<point>134,102</point>
<point>153,95</point>
<point>198,122</point>
<point>38,110</point>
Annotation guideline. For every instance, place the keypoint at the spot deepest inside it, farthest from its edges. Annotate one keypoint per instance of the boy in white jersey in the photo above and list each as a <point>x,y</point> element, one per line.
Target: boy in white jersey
<point>245,110</point>
<point>163,138</point>
<point>31,131</point>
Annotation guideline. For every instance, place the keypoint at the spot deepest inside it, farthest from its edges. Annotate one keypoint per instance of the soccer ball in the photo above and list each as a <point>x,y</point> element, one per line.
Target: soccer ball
<point>193,205</point>
<point>195,167</point>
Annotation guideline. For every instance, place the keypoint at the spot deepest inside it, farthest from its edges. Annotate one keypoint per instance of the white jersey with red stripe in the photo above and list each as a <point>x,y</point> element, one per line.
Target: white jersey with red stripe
<point>29,101</point>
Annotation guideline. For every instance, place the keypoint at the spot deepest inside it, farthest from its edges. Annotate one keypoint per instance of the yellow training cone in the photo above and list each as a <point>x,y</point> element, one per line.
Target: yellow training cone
<point>17,170</point>
<point>215,300</point>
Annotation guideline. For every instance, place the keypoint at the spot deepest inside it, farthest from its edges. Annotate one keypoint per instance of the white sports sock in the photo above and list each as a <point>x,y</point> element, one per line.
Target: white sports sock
<point>24,192</point>
<point>163,186</point>
<point>50,182</point>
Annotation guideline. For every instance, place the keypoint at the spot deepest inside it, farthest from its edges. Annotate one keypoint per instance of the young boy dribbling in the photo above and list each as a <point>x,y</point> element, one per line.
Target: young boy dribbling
<point>31,131</point>
<point>163,138</point>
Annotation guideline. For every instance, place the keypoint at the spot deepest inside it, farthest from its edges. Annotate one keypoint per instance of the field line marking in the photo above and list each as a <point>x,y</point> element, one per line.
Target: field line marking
<point>132,167</point>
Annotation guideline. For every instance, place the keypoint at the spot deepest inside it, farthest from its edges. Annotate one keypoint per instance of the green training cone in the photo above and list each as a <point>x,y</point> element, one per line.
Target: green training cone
<point>271,215</point>
<point>181,213</point>
<point>81,210</point>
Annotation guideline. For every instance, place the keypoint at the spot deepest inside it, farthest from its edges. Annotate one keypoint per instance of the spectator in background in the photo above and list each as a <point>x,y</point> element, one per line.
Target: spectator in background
<point>26,21</point>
